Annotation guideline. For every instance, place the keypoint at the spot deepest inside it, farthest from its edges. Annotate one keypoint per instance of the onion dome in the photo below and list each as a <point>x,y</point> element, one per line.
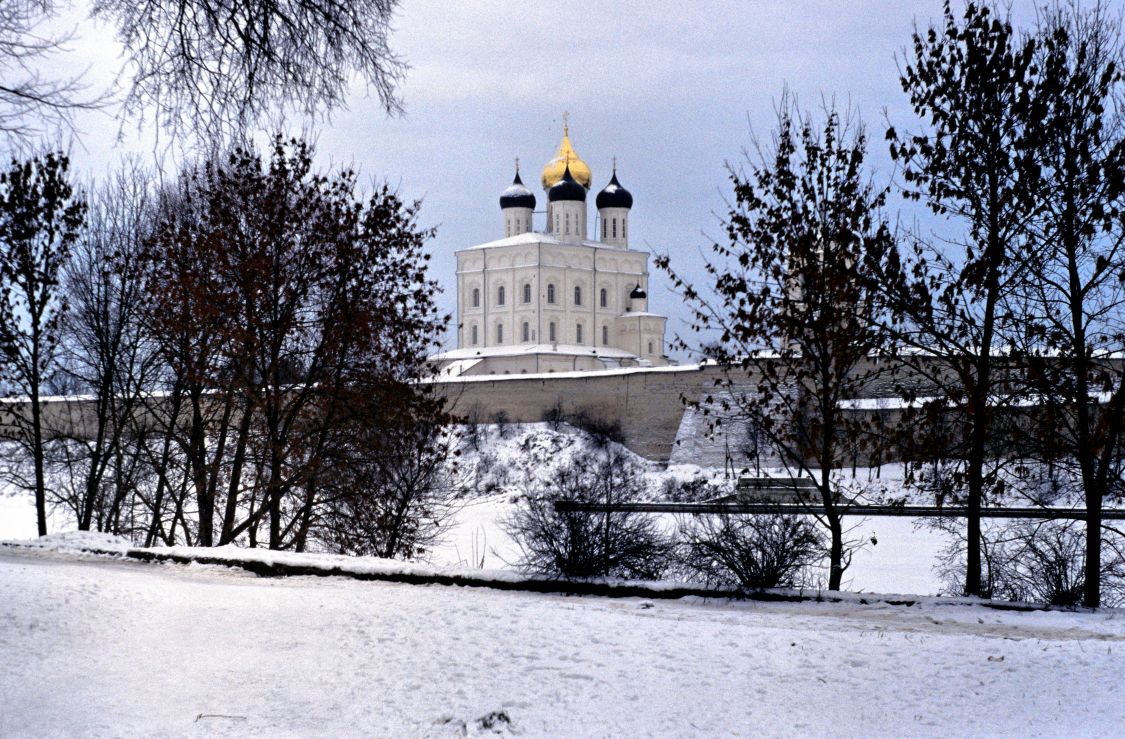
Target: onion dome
<point>638,293</point>
<point>566,189</point>
<point>517,196</point>
<point>565,157</point>
<point>614,195</point>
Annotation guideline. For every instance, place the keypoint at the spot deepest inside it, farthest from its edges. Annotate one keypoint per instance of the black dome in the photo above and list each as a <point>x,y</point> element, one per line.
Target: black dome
<point>567,189</point>
<point>637,293</point>
<point>614,195</point>
<point>517,196</point>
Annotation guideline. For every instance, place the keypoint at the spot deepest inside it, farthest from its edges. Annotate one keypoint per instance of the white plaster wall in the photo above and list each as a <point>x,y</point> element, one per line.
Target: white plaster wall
<point>613,227</point>
<point>564,265</point>
<point>516,221</point>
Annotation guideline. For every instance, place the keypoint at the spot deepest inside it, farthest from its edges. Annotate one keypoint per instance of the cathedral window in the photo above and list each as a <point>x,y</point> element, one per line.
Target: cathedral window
<point>623,234</point>
<point>500,295</point>
<point>578,333</point>
<point>473,331</point>
<point>603,297</point>
<point>615,228</point>
<point>527,293</point>
<point>550,293</point>
<point>650,347</point>
<point>476,297</point>
<point>577,295</point>
<point>605,226</point>
<point>605,335</point>
<point>499,333</point>
<point>566,219</point>
<point>551,334</point>
<point>526,332</point>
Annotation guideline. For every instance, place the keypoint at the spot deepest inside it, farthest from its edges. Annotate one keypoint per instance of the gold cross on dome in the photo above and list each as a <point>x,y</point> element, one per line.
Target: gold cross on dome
<point>566,123</point>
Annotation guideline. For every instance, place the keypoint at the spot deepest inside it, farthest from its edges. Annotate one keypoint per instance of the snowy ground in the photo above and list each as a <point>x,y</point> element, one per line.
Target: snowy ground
<point>107,648</point>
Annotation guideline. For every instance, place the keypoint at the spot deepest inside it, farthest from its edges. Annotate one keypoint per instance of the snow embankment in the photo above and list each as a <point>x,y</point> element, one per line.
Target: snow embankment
<point>104,647</point>
<point>270,563</point>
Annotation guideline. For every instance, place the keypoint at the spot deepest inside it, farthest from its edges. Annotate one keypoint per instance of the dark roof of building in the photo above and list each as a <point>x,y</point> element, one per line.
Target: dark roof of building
<point>517,195</point>
<point>614,195</point>
<point>566,189</point>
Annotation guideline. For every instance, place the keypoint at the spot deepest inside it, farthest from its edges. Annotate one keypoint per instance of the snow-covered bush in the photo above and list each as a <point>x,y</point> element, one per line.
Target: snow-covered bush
<point>584,543</point>
<point>751,551</point>
<point>691,490</point>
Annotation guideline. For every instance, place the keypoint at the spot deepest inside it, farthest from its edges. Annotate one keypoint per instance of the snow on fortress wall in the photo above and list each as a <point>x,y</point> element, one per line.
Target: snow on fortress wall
<point>647,402</point>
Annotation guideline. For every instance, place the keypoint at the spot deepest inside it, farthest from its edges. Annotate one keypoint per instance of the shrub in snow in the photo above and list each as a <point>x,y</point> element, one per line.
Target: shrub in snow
<point>751,551</point>
<point>1037,562</point>
<point>588,544</point>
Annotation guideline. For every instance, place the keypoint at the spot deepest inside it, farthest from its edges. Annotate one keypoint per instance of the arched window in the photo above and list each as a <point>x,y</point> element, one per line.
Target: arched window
<point>605,335</point>
<point>615,228</point>
<point>476,297</point>
<point>578,333</point>
<point>500,295</point>
<point>577,295</point>
<point>551,334</point>
<point>473,331</point>
<point>550,293</point>
<point>605,226</point>
<point>623,222</point>
<point>556,223</point>
<point>566,218</point>
<point>527,293</point>
<point>650,347</point>
<point>603,297</point>
<point>526,331</point>
<point>499,333</point>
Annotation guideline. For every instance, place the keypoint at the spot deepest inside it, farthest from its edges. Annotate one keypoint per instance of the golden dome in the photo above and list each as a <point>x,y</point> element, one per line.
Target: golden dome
<point>566,155</point>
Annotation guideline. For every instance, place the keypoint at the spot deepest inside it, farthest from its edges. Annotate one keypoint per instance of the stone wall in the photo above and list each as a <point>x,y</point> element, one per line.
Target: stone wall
<point>647,402</point>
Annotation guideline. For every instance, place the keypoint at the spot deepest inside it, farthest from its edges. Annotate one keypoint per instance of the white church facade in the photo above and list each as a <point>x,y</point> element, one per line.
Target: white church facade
<point>555,299</point>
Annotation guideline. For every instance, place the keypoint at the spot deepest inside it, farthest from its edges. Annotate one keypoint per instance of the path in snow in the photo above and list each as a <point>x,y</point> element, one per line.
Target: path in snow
<point>104,647</point>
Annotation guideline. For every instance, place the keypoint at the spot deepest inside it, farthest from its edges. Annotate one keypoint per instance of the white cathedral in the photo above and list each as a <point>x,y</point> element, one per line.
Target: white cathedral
<point>554,300</point>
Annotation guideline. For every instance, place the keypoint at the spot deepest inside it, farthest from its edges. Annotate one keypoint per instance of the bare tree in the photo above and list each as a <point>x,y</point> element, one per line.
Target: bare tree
<point>30,103</point>
<point>1075,301</point>
<point>214,67</point>
<point>968,81</point>
<point>392,463</point>
<point>275,293</point>
<point>797,325</point>
<point>105,354</point>
<point>40,219</point>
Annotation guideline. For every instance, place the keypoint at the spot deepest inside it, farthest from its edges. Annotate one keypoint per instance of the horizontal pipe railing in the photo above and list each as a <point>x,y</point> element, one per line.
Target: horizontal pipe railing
<point>905,511</point>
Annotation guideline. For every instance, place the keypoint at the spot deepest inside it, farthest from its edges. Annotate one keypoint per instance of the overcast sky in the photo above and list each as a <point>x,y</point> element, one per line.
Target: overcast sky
<point>671,89</point>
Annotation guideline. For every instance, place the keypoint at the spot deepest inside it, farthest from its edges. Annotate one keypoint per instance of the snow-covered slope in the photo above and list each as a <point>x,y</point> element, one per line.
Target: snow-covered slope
<point>109,648</point>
